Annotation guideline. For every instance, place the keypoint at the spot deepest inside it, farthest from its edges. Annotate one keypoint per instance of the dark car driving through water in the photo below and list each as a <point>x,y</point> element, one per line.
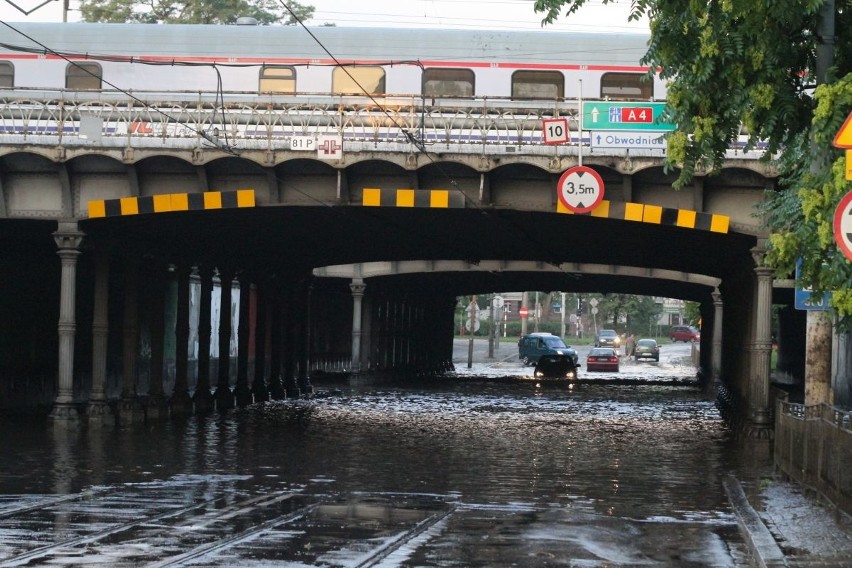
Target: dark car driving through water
<point>555,367</point>
<point>533,346</point>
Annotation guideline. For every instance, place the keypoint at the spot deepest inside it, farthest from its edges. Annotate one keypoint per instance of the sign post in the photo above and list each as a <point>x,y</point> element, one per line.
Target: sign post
<point>580,189</point>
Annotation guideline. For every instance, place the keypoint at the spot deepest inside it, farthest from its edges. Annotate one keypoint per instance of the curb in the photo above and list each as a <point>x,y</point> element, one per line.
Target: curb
<point>762,546</point>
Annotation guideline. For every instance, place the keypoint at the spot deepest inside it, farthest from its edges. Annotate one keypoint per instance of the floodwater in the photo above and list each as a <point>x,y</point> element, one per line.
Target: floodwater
<point>472,470</point>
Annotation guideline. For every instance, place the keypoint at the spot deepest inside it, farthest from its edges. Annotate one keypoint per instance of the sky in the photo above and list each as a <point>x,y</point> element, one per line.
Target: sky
<point>464,14</point>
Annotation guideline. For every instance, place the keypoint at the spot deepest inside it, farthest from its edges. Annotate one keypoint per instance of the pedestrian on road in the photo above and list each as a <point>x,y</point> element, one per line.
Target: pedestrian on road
<point>629,345</point>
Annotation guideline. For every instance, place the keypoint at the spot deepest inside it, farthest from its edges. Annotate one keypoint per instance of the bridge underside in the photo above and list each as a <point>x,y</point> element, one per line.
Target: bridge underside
<point>275,249</point>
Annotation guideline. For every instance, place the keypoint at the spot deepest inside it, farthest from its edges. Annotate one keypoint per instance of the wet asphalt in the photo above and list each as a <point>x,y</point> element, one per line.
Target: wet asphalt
<point>486,467</point>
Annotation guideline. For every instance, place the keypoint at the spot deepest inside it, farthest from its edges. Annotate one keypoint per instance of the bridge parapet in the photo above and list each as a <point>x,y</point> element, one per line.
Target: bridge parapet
<point>275,128</point>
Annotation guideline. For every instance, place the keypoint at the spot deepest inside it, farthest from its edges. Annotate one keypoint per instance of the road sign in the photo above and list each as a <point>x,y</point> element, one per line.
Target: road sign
<point>628,140</point>
<point>476,325</point>
<point>804,298</point>
<point>523,312</point>
<point>556,131</point>
<point>848,165</point>
<point>617,115</point>
<point>497,302</point>
<point>580,189</point>
<point>843,138</point>
<point>843,225</point>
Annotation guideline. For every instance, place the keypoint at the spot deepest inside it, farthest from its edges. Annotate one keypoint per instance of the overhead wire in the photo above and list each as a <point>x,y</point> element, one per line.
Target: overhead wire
<point>213,139</point>
<point>226,147</point>
<point>419,144</point>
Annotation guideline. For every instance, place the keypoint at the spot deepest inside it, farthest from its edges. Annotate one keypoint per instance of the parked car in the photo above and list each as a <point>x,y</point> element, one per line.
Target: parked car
<point>532,346</point>
<point>685,333</point>
<point>555,367</point>
<point>646,349</point>
<point>602,359</point>
<point>607,338</point>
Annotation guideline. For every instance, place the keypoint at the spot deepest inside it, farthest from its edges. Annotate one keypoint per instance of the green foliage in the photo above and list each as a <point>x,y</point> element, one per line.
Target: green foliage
<point>192,12</point>
<point>733,47</point>
<point>801,214</point>
<point>737,66</point>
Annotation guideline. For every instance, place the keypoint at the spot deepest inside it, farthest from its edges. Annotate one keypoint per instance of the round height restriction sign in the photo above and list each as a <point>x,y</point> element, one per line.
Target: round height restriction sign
<point>580,189</point>
<point>843,225</point>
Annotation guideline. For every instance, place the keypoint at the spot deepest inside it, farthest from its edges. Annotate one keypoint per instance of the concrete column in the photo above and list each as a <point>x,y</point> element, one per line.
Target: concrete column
<point>241,390</point>
<point>202,397</point>
<point>277,337</point>
<point>305,343</point>
<point>97,409</point>
<point>698,193</point>
<point>718,311</point>
<point>626,191</point>
<point>68,239</point>
<point>290,331</point>
<point>224,397</point>
<point>525,300</point>
<point>367,333</point>
<point>258,386</point>
<point>761,347</point>
<point>130,355</point>
<point>841,381</point>
<point>157,307</point>
<point>357,286</point>
<point>181,403</point>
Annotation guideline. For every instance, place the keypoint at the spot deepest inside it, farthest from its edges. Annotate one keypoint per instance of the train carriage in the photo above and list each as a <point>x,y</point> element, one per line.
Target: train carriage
<point>288,60</point>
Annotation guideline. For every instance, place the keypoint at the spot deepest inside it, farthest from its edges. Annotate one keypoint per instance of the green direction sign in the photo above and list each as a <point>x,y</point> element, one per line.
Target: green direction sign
<point>618,115</point>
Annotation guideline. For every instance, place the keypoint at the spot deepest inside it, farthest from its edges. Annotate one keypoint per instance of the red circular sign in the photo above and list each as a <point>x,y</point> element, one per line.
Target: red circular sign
<point>843,225</point>
<point>523,312</point>
<point>580,189</point>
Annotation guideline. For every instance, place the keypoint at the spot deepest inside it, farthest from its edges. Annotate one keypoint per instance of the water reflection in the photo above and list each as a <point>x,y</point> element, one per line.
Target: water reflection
<point>630,453</point>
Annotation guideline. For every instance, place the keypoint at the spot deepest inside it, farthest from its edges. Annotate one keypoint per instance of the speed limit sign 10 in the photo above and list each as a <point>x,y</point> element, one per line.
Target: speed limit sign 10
<point>556,131</point>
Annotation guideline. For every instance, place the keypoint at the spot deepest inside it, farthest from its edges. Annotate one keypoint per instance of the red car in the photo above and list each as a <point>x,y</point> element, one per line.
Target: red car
<point>685,333</point>
<point>602,359</point>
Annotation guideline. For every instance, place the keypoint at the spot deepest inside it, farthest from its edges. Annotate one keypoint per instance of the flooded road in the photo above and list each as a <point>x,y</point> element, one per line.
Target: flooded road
<point>485,468</point>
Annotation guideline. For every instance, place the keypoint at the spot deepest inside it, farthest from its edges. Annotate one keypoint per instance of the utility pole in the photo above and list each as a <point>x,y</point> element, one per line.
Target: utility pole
<point>473,319</point>
<point>818,338</point>
<point>491,328</point>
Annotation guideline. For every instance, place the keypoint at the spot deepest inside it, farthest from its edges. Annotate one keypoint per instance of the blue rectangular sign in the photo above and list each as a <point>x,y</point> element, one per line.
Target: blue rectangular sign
<point>805,298</point>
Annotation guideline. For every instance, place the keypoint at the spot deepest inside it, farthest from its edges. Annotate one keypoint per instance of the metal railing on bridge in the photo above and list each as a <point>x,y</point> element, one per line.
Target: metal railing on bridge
<point>246,121</point>
<point>813,446</point>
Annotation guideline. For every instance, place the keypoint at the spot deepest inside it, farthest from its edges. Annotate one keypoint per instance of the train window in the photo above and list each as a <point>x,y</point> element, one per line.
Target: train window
<point>448,82</point>
<point>538,85</point>
<point>7,74</point>
<point>277,79</point>
<point>626,86</point>
<point>83,76</point>
<point>358,80</point>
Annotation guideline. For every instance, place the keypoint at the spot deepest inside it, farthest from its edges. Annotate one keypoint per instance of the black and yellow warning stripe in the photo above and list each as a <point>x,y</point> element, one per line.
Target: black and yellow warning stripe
<point>170,202</point>
<point>657,215</point>
<point>435,198</point>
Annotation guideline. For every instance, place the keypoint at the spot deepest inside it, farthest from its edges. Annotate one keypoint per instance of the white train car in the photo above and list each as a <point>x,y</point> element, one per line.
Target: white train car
<point>290,60</point>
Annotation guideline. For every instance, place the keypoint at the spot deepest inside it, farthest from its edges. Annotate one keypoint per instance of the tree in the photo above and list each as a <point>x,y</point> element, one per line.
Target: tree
<point>193,11</point>
<point>785,83</point>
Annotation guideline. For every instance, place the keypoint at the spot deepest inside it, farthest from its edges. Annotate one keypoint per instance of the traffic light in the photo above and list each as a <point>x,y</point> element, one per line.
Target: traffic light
<point>580,306</point>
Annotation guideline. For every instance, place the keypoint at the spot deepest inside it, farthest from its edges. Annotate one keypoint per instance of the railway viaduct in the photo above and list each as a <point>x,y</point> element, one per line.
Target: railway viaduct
<point>120,224</point>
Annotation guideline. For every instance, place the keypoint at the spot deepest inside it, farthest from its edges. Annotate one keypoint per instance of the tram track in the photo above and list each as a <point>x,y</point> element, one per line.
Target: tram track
<point>406,537</point>
<point>221,515</point>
